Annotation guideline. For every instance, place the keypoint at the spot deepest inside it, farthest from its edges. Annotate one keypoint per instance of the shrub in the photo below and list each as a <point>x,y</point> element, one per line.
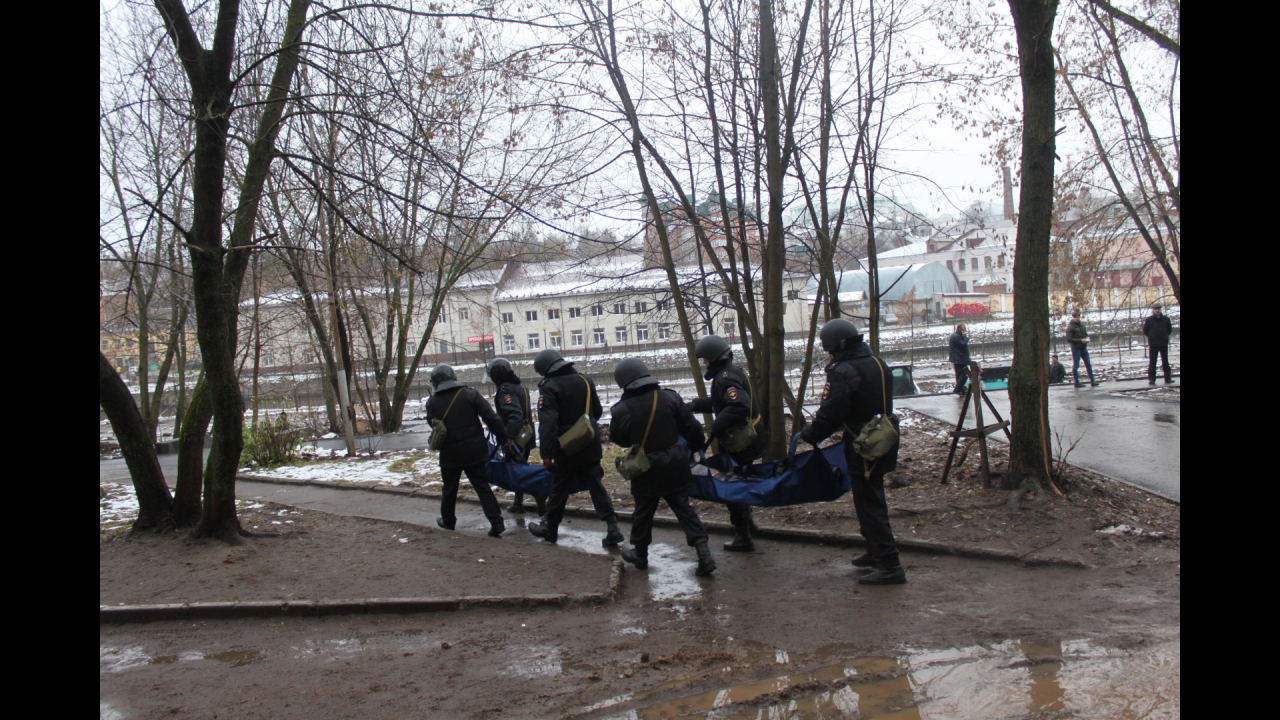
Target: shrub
<point>272,443</point>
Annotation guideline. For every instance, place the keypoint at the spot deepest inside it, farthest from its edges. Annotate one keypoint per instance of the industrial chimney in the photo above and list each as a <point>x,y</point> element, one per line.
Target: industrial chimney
<point>1008,194</point>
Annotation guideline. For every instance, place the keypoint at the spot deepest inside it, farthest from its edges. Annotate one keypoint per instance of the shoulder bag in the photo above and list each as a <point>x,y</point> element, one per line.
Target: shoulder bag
<point>740,437</point>
<point>636,461</point>
<point>879,435</point>
<point>439,433</point>
<point>582,432</point>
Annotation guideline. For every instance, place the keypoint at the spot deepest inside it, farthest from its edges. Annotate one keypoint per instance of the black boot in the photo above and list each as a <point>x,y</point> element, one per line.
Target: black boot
<point>496,527</point>
<point>751,518</point>
<point>540,530</point>
<point>706,563</point>
<point>517,506</point>
<point>614,537</point>
<point>741,543</point>
<point>637,556</point>
<point>885,575</point>
<point>541,503</point>
<point>441,523</point>
<point>864,562</point>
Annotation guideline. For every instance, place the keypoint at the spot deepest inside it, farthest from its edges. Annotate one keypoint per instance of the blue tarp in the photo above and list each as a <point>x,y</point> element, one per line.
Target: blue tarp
<point>812,476</point>
<point>518,476</point>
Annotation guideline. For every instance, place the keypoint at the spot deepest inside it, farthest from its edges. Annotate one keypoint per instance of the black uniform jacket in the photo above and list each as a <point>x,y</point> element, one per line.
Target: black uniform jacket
<point>465,443</point>
<point>733,402</point>
<point>562,397</point>
<point>853,395</point>
<point>1157,330</point>
<point>512,403</point>
<point>669,471</point>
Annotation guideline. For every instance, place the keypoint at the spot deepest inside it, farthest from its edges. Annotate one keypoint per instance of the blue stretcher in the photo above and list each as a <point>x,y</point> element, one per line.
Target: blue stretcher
<point>812,476</point>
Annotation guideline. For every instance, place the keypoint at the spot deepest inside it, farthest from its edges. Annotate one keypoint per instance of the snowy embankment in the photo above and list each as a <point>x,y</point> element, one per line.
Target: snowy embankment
<point>413,467</point>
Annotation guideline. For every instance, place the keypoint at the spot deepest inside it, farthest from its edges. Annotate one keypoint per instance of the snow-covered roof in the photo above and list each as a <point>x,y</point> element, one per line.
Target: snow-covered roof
<point>920,247</point>
<point>988,279</point>
<point>625,275</point>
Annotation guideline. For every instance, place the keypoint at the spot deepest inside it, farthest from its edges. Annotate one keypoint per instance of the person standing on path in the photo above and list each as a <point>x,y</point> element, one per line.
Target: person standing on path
<point>511,399</point>
<point>651,417</point>
<point>854,394</point>
<point>565,398</point>
<point>465,449</point>
<point>1158,328</point>
<point>958,355</point>
<point>1078,338</point>
<point>735,407</point>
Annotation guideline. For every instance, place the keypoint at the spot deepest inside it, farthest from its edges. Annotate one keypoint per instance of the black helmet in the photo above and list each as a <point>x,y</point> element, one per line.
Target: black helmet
<point>548,361</point>
<point>443,378</point>
<point>631,373</point>
<point>838,335</point>
<point>713,348</point>
<point>498,369</point>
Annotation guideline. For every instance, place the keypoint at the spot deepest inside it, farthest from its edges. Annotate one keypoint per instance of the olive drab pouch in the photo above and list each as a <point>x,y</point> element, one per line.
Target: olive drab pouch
<point>526,428</point>
<point>740,437</point>
<point>581,433</point>
<point>439,433</point>
<point>880,434</point>
<point>636,461</point>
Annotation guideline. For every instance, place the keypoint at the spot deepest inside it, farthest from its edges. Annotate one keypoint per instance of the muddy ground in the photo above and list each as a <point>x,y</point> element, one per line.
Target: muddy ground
<point>782,632</point>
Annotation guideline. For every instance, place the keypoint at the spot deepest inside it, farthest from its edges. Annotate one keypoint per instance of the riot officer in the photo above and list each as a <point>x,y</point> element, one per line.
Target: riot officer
<point>735,405</point>
<point>856,392</point>
<point>511,400</point>
<point>565,397</point>
<point>461,409</point>
<point>654,419</point>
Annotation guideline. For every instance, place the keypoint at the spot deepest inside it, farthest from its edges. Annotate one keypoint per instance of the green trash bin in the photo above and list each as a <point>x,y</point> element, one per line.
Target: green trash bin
<point>903,382</point>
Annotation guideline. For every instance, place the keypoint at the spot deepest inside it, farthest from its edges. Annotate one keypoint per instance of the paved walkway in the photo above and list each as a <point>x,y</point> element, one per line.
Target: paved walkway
<point>1122,434</point>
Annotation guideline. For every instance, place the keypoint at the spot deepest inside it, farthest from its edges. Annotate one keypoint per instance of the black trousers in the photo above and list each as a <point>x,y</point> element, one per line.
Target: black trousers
<point>962,377</point>
<point>563,477</point>
<point>740,517</point>
<point>478,476</point>
<point>873,516</point>
<point>1163,352</point>
<point>642,519</point>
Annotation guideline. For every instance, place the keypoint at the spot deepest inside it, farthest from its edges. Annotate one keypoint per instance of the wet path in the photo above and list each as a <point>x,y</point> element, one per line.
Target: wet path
<point>1121,432</point>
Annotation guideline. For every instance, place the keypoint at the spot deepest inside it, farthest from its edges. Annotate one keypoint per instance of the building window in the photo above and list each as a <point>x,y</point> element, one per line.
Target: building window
<point>508,343</point>
<point>464,314</point>
<point>728,326</point>
<point>576,338</point>
<point>597,336</point>
<point>530,315</point>
<point>535,341</point>
<point>553,314</point>
<point>1000,261</point>
<point>555,340</point>
<point>642,333</point>
<point>575,312</point>
<point>660,305</point>
<point>642,307</point>
<point>106,344</point>
<point>706,329</point>
<point>444,346</point>
<point>597,310</point>
<point>986,262</point>
<point>951,266</point>
<point>619,308</point>
<point>508,317</point>
<point>664,332</point>
<point>793,294</point>
<point>964,286</point>
<point>620,335</point>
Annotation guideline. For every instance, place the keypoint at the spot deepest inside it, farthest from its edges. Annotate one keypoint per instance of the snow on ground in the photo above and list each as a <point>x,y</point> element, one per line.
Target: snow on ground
<point>119,507</point>
<point>395,468</point>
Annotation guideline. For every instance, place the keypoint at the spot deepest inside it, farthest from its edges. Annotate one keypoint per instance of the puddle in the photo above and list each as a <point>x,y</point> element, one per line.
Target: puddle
<point>1166,418</point>
<point>124,658</point>
<point>1011,679</point>
<point>236,658</point>
<point>535,661</point>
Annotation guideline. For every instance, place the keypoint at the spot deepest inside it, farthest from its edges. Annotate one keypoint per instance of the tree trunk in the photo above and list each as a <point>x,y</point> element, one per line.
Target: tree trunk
<point>195,423</point>
<point>1029,451</point>
<point>771,351</point>
<point>139,450</point>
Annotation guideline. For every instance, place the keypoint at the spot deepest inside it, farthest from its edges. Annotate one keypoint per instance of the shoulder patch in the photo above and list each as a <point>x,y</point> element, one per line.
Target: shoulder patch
<point>826,390</point>
<point>508,399</point>
<point>732,393</point>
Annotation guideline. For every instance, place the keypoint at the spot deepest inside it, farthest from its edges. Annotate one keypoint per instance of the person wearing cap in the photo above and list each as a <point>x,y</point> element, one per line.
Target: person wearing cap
<point>465,449</point>
<point>655,419</point>
<point>1078,338</point>
<point>564,396</point>
<point>1057,373</point>
<point>854,394</point>
<point>734,403</point>
<point>1158,328</point>
<point>511,400</point>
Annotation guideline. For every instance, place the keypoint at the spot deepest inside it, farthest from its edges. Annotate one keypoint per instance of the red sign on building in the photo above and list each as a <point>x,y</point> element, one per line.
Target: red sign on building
<point>479,339</point>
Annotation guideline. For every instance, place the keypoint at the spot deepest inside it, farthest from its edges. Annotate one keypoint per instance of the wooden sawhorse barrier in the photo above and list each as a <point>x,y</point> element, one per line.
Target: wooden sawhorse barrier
<point>980,432</point>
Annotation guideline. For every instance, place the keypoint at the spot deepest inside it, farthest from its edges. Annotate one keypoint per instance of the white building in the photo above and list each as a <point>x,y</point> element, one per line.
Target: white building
<point>975,254</point>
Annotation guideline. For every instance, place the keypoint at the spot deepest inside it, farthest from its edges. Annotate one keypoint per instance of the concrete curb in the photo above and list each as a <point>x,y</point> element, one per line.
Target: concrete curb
<point>115,614</point>
<point>817,537</point>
